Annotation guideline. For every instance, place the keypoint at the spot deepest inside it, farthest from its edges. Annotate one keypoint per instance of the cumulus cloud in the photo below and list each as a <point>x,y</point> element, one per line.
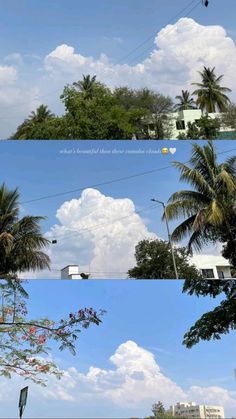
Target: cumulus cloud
<point>98,233</point>
<point>180,50</point>
<point>133,383</point>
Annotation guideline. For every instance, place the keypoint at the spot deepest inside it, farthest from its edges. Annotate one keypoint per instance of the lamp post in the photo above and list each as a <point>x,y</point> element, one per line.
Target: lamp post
<point>23,400</point>
<point>169,236</point>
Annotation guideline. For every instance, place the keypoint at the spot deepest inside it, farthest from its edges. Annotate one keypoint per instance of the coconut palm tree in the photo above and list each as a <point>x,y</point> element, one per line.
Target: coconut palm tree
<point>185,101</point>
<point>207,208</point>
<point>41,114</point>
<point>35,119</point>
<point>210,94</point>
<point>86,85</point>
<point>21,241</point>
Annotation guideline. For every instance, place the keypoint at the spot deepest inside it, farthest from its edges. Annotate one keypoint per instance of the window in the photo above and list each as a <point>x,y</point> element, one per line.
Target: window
<point>208,273</point>
<point>180,124</point>
<point>221,274</point>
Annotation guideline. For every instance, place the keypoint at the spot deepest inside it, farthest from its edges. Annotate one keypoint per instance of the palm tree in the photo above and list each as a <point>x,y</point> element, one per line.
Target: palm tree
<point>21,241</point>
<point>208,208</point>
<point>185,101</point>
<point>36,118</point>
<point>210,95</point>
<point>41,114</point>
<point>86,85</point>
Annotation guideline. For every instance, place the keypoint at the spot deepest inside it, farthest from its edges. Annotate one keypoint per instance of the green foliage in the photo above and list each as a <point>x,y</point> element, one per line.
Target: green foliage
<point>93,111</point>
<point>35,125</point>
<point>23,341</point>
<point>158,409</point>
<point>154,261</point>
<point>208,209</point>
<point>221,320</point>
<point>185,101</point>
<point>205,129</point>
<point>228,119</point>
<point>211,96</point>
<point>21,240</point>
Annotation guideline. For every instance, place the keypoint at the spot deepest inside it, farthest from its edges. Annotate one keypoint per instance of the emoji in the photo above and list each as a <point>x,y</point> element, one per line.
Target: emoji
<point>165,150</point>
<point>173,150</point>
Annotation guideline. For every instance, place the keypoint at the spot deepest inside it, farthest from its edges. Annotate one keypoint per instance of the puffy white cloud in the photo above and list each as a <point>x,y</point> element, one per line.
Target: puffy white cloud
<point>98,233</point>
<point>180,50</point>
<point>133,383</point>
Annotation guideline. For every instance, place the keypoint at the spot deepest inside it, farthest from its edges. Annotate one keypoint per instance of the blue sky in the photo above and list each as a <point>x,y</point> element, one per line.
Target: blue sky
<point>42,168</point>
<point>155,315</point>
<point>39,26</point>
<point>46,45</point>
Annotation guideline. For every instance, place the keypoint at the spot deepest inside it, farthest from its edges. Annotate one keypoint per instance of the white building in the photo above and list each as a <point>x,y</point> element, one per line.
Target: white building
<point>180,120</point>
<point>212,266</point>
<point>70,272</point>
<point>192,410</point>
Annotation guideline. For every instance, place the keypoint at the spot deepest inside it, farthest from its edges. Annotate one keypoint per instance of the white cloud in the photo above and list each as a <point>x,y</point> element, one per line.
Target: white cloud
<point>133,383</point>
<point>99,233</point>
<point>180,51</point>
<point>8,75</point>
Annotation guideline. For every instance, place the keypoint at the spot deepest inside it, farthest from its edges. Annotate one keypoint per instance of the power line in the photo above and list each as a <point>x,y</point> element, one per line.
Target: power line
<point>109,182</point>
<point>170,30</point>
<point>95,185</point>
<point>154,33</point>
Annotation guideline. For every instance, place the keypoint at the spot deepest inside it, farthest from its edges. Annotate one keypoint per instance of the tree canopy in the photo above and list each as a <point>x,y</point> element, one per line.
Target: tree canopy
<point>24,341</point>
<point>211,96</point>
<point>154,261</point>
<point>215,323</point>
<point>21,240</point>
<point>208,209</point>
<point>95,111</point>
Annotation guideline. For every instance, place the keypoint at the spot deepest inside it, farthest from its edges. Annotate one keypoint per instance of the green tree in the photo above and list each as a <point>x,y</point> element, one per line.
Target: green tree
<point>208,209</point>
<point>193,132</point>
<point>150,255</point>
<point>34,124</point>
<point>158,409</point>
<point>160,120</point>
<point>208,127</point>
<point>215,323</point>
<point>228,118</point>
<point>205,129</point>
<point>97,118</point>
<point>21,240</point>
<point>24,341</point>
<point>86,85</point>
<point>153,110</point>
<point>186,101</point>
<point>211,96</point>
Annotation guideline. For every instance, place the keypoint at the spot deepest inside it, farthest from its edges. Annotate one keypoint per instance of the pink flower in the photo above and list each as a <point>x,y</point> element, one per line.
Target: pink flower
<point>41,339</point>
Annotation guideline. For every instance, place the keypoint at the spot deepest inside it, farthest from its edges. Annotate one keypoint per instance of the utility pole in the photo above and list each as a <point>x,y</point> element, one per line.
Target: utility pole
<point>169,236</point>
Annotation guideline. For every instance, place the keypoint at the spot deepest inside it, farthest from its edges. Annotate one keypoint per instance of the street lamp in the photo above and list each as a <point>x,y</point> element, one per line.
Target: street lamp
<point>169,236</point>
<point>23,400</point>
